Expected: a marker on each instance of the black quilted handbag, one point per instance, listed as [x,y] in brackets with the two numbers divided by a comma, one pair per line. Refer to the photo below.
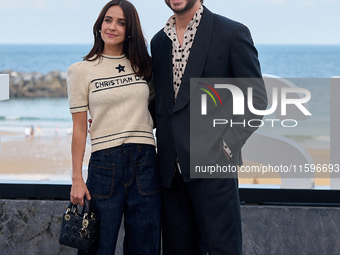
[80,230]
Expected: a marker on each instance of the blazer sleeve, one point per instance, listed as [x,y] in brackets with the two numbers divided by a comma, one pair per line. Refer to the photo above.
[152,95]
[245,65]
[152,110]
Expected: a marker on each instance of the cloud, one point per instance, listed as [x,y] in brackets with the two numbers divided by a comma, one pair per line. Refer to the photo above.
[278,2]
[295,2]
[5,4]
[71,4]
[39,4]
[22,4]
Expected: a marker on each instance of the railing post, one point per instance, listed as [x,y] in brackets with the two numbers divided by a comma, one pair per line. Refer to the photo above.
[334,132]
[4,91]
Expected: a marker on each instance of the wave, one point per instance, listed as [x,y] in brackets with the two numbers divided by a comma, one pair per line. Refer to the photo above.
[309,137]
[24,118]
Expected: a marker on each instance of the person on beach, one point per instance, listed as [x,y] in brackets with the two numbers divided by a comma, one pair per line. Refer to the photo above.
[38,131]
[123,175]
[32,132]
[199,214]
[27,132]
[56,132]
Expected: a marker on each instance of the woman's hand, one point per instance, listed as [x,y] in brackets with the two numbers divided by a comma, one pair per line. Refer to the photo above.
[78,192]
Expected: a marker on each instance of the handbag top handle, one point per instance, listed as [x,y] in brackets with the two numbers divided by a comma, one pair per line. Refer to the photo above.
[88,208]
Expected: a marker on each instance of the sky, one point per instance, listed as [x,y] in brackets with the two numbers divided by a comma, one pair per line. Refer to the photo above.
[71,21]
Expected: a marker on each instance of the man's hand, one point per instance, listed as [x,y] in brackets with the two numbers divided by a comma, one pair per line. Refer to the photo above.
[226,150]
[90,122]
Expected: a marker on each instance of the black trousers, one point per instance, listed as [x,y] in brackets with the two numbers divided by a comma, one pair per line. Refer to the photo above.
[201,216]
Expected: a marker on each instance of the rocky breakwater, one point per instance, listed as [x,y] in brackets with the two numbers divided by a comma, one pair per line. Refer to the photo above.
[34,85]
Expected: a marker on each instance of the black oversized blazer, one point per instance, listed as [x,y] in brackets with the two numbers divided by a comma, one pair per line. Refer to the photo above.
[221,48]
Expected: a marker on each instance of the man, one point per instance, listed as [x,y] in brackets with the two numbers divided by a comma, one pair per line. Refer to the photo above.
[198,213]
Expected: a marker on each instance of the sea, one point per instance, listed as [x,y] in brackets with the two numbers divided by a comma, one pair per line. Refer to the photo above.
[310,62]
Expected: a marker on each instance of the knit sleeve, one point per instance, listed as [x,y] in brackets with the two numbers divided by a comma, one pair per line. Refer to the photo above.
[78,88]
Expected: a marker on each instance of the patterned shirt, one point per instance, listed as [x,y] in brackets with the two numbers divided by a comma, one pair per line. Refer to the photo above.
[180,54]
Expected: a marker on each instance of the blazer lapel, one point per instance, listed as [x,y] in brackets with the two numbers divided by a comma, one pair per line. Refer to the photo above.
[197,57]
[166,89]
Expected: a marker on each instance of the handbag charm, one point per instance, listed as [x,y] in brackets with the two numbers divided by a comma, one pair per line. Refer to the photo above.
[80,230]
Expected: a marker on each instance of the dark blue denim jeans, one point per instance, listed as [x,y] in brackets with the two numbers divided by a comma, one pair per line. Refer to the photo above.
[125,180]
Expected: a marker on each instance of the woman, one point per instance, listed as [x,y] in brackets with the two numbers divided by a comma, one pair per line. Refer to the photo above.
[123,176]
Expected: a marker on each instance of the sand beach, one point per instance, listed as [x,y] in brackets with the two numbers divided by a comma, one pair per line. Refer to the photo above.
[39,158]
[49,158]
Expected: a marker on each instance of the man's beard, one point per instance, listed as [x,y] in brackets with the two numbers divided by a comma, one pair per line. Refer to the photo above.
[187,7]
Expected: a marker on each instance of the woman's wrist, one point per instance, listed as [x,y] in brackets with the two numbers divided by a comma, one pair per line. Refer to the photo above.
[77,178]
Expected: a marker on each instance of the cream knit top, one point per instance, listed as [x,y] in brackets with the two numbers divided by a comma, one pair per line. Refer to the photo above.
[116,98]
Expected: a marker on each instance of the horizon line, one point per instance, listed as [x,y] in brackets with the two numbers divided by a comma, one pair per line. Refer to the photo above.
[278,44]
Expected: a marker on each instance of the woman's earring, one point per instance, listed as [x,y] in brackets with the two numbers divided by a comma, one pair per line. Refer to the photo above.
[97,33]
[129,37]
